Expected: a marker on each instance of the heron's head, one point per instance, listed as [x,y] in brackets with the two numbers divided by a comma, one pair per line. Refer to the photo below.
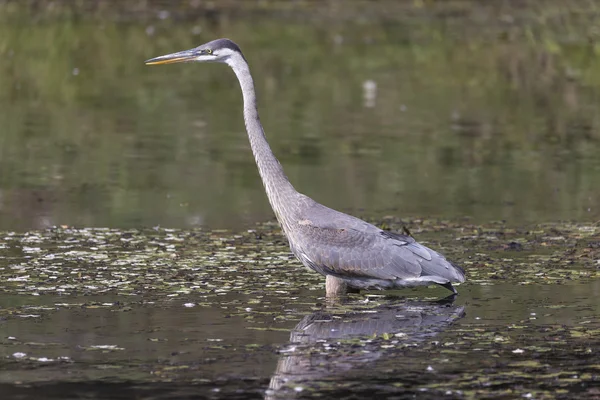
[220,50]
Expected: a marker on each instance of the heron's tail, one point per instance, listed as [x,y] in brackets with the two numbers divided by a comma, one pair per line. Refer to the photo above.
[460,273]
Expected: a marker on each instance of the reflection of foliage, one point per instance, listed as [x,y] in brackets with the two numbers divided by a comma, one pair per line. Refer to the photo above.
[499,107]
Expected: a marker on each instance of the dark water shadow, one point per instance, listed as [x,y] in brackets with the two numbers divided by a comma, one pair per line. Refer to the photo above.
[102,390]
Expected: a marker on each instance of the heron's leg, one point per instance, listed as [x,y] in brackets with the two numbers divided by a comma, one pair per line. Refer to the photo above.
[337,287]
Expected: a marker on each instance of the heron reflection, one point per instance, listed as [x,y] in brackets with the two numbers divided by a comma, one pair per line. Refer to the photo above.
[312,353]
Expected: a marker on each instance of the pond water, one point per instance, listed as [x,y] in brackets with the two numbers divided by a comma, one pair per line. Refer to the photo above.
[108,313]
[402,111]
[138,257]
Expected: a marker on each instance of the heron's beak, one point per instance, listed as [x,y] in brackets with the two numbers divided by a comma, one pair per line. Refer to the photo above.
[180,56]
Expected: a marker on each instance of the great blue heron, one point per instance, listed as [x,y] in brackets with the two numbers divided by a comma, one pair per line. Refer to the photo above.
[351,253]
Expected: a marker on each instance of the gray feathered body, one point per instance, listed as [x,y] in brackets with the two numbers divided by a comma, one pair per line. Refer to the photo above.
[364,256]
[330,242]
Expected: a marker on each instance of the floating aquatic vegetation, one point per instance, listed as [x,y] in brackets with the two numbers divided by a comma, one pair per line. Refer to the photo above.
[175,262]
[86,261]
[258,292]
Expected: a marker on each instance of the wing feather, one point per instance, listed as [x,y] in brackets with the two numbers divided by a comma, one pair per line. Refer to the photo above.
[339,244]
[334,243]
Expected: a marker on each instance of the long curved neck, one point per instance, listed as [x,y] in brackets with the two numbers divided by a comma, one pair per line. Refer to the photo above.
[277,185]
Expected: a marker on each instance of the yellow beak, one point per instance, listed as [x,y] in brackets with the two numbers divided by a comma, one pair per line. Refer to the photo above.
[181,56]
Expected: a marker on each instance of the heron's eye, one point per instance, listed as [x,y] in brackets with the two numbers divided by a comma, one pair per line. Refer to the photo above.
[208,51]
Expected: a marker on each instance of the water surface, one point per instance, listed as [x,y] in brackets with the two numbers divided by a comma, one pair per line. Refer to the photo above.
[447,111]
[183,314]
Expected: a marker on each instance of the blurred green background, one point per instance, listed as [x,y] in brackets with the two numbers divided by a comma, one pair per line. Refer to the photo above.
[483,109]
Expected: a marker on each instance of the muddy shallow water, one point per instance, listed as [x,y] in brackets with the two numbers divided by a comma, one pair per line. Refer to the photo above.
[199,314]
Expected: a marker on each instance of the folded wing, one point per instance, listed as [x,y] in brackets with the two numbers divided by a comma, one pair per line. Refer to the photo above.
[338,244]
